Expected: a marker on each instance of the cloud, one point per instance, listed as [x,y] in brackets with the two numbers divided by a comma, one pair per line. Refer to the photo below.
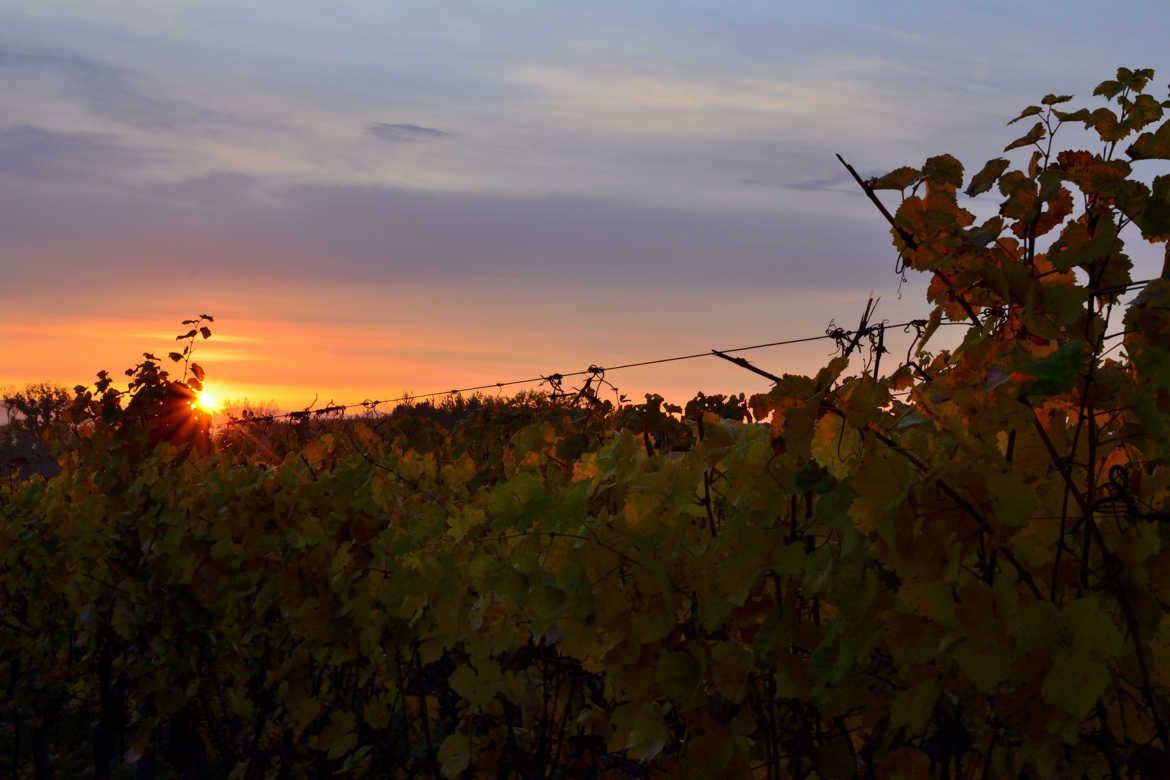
[34,152]
[405,133]
[212,187]
[126,96]
[836,183]
[252,230]
[388,234]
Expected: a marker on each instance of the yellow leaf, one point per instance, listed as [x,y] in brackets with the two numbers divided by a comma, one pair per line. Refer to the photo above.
[640,730]
[1013,499]
[1095,627]
[478,687]
[455,755]
[835,445]
[461,522]
[1074,683]
[305,712]
[339,736]
[376,713]
[914,707]
[986,663]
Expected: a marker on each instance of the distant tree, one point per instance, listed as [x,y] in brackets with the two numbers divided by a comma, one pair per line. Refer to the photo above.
[30,413]
[33,410]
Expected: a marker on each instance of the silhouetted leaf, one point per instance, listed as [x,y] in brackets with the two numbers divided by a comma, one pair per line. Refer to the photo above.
[983,235]
[1142,111]
[197,370]
[189,334]
[1152,146]
[1027,112]
[982,181]
[1080,115]
[1108,89]
[175,356]
[205,331]
[945,168]
[1051,100]
[1035,134]
[897,179]
[1034,163]
[1108,126]
[1135,80]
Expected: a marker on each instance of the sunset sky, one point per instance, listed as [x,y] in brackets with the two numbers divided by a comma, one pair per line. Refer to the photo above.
[383,197]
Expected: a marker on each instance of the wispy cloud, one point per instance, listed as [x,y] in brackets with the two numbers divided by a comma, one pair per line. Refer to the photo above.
[405,133]
[211,187]
[125,96]
[837,99]
[35,152]
[836,183]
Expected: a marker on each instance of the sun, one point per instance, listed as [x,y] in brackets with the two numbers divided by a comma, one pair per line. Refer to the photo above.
[207,401]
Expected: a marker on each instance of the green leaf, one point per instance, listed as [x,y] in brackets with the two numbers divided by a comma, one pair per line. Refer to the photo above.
[1035,134]
[831,660]
[982,181]
[912,419]
[1027,112]
[832,508]
[1050,99]
[1057,373]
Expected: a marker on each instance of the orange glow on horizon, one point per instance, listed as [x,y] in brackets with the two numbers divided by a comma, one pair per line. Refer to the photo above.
[281,361]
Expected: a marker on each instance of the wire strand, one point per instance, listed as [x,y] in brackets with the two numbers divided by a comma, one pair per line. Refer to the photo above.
[594,370]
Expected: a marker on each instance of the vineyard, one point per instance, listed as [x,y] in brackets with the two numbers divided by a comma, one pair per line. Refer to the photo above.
[953,564]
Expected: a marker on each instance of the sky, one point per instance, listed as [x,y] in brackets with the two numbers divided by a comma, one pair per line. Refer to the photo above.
[378,198]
